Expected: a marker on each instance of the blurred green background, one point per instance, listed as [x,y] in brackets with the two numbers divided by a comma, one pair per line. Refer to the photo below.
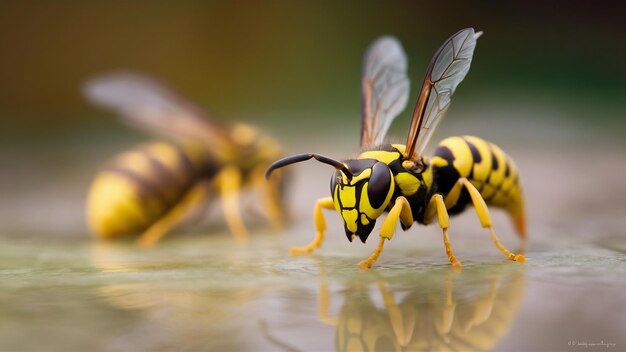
[544,76]
[251,58]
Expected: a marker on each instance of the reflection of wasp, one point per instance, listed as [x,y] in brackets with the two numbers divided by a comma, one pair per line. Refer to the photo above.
[397,178]
[469,314]
[153,187]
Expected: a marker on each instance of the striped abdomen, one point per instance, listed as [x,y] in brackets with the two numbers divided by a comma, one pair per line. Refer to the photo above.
[139,186]
[487,167]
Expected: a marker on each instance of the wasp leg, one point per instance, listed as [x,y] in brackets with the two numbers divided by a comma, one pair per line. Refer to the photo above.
[401,210]
[483,307]
[324,306]
[320,225]
[402,321]
[444,322]
[229,184]
[483,214]
[155,232]
[272,201]
[437,205]
[324,299]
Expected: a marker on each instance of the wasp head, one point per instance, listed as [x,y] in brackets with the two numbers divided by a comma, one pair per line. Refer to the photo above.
[361,190]
[361,197]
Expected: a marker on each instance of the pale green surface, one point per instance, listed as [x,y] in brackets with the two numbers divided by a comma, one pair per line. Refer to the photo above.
[205,293]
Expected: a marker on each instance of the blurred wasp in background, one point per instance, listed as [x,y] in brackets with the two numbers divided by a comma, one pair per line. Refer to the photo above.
[150,189]
[399,179]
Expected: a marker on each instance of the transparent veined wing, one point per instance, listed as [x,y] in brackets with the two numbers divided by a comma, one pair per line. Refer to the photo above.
[385,89]
[447,69]
[147,104]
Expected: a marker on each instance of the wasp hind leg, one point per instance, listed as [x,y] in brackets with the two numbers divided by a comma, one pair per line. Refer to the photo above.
[175,216]
[401,211]
[483,214]
[437,205]
[320,225]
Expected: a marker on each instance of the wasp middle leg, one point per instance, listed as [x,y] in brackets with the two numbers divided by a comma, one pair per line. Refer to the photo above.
[438,206]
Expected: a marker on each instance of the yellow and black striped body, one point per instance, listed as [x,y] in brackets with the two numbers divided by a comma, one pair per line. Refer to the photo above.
[485,165]
[141,185]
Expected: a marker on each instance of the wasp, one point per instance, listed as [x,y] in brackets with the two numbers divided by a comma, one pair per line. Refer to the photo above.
[153,187]
[398,179]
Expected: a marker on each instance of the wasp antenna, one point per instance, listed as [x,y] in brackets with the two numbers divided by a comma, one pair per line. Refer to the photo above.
[304,157]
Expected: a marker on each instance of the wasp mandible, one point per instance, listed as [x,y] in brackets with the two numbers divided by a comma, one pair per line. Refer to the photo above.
[399,179]
[150,189]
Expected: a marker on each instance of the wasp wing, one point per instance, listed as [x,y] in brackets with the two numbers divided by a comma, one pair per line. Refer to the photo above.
[447,69]
[385,89]
[147,104]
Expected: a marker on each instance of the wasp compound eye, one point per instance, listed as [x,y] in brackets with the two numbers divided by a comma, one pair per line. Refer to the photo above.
[379,185]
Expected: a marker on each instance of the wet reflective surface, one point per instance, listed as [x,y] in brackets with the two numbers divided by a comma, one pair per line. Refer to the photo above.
[203,293]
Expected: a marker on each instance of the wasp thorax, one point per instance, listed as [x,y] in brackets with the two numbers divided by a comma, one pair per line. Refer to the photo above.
[362,198]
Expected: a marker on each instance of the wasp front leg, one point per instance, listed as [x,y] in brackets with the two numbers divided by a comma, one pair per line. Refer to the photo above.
[483,214]
[401,211]
[229,185]
[320,225]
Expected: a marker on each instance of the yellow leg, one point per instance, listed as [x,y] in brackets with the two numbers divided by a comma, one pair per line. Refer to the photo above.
[402,320]
[438,206]
[401,211]
[324,298]
[443,322]
[484,305]
[367,263]
[485,220]
[229,185]
[324,306]
[270,194]
[320,225]
[155,232]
